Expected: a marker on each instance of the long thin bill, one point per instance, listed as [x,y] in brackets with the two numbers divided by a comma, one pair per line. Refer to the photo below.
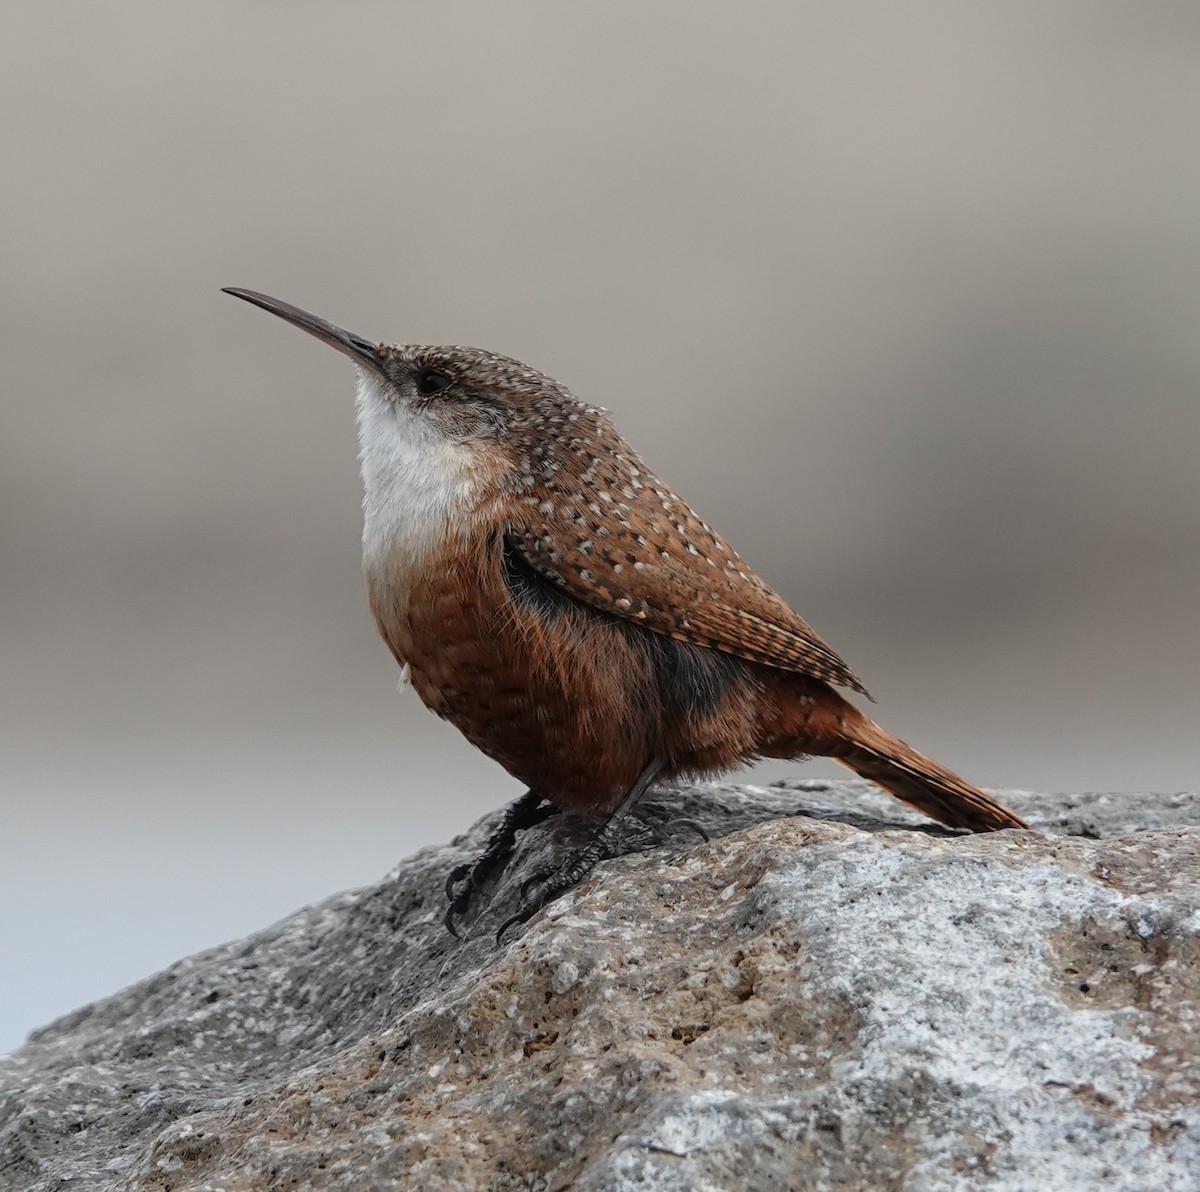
[360,350]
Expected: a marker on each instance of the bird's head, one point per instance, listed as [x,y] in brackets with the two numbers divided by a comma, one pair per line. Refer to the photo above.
[450,433]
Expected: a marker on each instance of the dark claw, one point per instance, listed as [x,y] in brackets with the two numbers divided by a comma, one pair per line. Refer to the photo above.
[522,916]
[460,901]
[536,879]
[694,825]
[455,876]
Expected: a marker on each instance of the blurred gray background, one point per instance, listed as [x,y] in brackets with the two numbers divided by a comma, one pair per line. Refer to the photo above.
[903,298]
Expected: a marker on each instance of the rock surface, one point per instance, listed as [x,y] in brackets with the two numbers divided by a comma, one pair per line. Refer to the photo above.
[829,993]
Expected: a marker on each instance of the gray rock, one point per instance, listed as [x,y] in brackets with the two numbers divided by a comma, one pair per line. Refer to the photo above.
[829,993]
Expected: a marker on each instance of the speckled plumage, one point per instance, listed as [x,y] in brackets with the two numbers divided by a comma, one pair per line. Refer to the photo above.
[567,611]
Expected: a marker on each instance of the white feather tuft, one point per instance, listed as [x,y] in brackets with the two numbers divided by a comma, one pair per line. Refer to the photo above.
[416,479]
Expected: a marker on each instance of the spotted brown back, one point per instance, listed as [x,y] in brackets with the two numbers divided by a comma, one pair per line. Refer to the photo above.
[600,525]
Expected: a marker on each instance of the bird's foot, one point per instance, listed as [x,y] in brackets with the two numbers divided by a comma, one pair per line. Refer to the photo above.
[546,885]
[463,882]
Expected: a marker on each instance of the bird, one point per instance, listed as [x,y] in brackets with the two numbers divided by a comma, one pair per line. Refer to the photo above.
[548,595]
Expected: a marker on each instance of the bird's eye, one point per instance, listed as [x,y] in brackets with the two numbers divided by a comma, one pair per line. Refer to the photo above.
[431,381]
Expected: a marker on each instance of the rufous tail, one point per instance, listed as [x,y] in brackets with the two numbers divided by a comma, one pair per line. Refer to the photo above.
[822,722]
[918,780]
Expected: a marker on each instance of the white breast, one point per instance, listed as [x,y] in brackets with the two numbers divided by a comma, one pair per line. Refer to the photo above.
[417,481]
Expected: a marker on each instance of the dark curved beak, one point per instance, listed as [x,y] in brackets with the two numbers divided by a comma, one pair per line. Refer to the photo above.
[360,350]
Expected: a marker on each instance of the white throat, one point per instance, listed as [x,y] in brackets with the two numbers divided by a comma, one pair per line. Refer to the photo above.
[416,480]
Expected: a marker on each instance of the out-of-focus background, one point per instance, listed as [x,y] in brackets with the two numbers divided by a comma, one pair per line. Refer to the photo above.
[903,298]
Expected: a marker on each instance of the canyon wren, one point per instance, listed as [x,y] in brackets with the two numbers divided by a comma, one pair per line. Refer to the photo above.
[565,610]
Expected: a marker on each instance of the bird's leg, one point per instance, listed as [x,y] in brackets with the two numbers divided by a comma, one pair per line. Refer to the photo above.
[522,813]
[550,884]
